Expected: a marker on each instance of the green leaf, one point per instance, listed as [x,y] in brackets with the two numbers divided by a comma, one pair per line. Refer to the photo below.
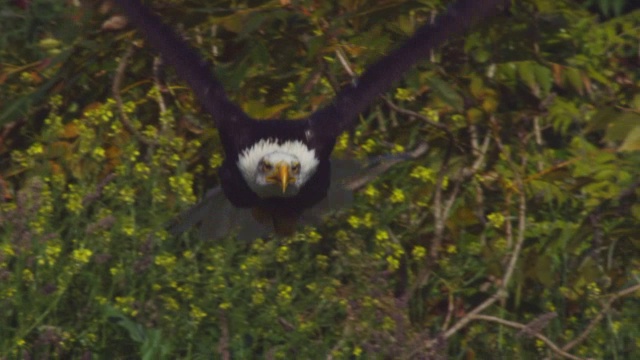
[445,92]
[602,119]
[526,72]
[507,73]
[544,270]
[155,346]
[258,109]
[635,102]
[635,211]
[135,330]
[476,86]
[598,76]
[632,141]
[621,126]
[574,77]
[544,78]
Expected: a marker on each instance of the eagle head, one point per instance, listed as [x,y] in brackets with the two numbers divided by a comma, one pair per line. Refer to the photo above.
[278,168]
[273,169]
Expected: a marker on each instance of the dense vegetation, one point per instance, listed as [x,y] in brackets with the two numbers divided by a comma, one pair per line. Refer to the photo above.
[516,235]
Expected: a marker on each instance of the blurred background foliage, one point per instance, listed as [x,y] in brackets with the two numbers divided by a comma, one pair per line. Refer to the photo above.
[522,243]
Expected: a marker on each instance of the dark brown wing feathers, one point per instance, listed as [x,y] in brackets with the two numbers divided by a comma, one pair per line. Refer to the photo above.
[330,121]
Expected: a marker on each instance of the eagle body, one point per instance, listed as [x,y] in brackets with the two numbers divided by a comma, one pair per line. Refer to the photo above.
[281,167]
[292,135]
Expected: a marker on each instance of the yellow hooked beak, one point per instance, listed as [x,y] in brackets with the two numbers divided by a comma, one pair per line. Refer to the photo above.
[281,175]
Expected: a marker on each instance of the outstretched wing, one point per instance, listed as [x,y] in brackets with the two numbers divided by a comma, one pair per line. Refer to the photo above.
[186,62]
[341,114]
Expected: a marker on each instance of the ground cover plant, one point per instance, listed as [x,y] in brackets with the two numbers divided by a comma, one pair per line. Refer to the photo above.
[514,235]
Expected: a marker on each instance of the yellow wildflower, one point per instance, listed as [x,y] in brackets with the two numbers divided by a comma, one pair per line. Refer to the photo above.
[197,313]
[35,149]
[98,154]
[342,143]
[393,264]
[116,270]
[167,261]
[382,235]
[354,221]
[322,261]
[141,170]
[397,196]
[496,219]
[371,192]
[397,149]
[357,351]
[100,299]
[452,249]
[225,306]
[388,323]
[129,226]
[404,94]
[423,174]
[7,249]
[284,293]
[171,303]
[282,254]
[367,221]
[74,199]
[27,276]
[81,255]
[127,195]
[368,146]
[216,160]
[418,252]
[257,298]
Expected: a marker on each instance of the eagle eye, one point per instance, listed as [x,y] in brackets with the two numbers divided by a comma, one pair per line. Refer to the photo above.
[295,168]
[265,166]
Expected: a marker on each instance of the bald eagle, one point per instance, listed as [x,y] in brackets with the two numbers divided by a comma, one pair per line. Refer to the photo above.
[279,168]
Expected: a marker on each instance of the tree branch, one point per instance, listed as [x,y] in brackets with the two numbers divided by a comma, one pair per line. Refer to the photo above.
[539,336]
[605,308]
[501,293]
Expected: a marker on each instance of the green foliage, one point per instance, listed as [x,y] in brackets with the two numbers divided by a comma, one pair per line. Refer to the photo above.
[87,268]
